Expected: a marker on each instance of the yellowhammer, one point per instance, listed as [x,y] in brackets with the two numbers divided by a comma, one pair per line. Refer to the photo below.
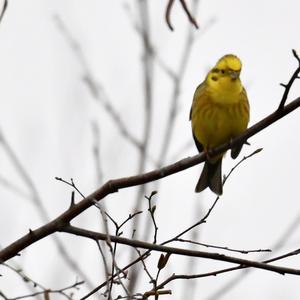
[219,112]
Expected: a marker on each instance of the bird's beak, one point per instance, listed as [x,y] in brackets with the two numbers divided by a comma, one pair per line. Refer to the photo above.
[234,74]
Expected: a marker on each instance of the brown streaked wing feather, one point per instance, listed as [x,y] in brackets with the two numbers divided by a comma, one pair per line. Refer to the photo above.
[197,93]
[199,90]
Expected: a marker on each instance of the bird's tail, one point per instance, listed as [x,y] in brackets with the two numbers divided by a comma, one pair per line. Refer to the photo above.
[211,177]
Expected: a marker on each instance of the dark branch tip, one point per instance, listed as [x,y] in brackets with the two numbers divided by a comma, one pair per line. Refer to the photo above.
[296,55]
[257,151]
[72,199]
[153,193]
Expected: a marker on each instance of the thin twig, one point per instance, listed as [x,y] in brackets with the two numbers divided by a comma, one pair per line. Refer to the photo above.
[174,105]
[203,220]
[3,296]
[50,291]
[147,77]
[184,252]
[110,247]
[215,273]
[223,248]
[189,15]
[118,233]
[276,246]
[71,184]
[189,289]
[130,216]
[168,14]
[142,259]
[105,264]
[30,283]
[24,175]
[3,10]
[97,91]
[96,152]
[147,67]
[186,10]
[287,87]
[37,201]
[124,269]
[121,183]
[157,59]
[174,99]
[151,210]
[240,162]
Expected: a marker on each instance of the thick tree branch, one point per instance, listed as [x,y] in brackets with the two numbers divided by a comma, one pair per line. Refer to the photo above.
[114,185]
[180,251]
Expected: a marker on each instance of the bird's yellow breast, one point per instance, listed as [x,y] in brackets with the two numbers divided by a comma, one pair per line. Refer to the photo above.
[218,117]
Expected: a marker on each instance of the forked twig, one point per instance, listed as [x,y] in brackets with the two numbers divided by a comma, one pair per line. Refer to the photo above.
[43,289]
[186,10]
[203,220]
[288,86]
[151,210]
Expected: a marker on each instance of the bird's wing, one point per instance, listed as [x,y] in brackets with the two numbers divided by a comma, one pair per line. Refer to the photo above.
[197,95]
[199,90]
[236,151]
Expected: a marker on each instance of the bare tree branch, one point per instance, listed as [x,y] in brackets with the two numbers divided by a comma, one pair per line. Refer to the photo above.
[114,185]
[147,71]
[168,13]
[184,252]
[37,201]
[288,86]
[189,15]
[243,251]
[186,10]
[151,210]
[143,256]
[277,246]
[43,289]
[96,152]
[97,91]
[215,273]
[3,10]
[174,100]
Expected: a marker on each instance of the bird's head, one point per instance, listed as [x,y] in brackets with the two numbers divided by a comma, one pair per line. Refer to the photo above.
[226,70]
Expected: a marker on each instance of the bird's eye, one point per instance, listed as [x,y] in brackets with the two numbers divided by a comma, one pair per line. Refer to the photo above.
[223,71]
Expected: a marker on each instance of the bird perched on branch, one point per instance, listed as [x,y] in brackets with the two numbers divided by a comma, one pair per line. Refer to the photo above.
[219,112]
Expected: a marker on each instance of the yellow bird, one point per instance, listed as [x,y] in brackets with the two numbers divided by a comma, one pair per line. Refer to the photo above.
[219,112]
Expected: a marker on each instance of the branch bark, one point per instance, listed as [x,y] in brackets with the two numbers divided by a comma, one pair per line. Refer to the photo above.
[114,185]
[180,251]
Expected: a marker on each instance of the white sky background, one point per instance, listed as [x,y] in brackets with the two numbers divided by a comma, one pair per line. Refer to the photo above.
[46,113]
